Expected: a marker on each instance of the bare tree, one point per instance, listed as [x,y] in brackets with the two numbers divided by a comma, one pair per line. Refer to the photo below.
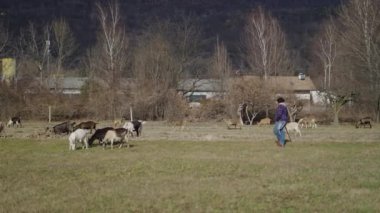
[337,102]
[294,110]
[156,69]
[361,29]
[221,67]
[110,52]
[33,48]
[265,45]
[4,37]
[64,43]
[327,50]
[185,38]
[250,97]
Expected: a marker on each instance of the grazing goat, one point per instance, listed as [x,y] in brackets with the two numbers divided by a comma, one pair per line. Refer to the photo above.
[116,135]
[232,124]
[307,122]
[117,123]
[264,121]
[79,135]
[91,125]
[134,126]
[14,121]
[364,122]
[98,135]
[65,127]
[293,127]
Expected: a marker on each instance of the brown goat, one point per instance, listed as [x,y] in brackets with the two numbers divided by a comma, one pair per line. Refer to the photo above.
[91,125]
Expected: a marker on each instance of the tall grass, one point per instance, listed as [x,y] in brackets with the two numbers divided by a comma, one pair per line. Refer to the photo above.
[190,176]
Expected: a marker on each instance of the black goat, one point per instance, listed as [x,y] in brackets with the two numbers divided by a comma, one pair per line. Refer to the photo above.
[98,135]
[364,122]
[14,121]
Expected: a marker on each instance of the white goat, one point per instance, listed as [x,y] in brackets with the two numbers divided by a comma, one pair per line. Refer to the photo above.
[293,127]
[116,135]
[134,126]
[79,135]
[129,126]
[307,122]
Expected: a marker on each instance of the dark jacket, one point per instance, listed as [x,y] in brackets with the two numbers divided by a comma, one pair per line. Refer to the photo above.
[281,113]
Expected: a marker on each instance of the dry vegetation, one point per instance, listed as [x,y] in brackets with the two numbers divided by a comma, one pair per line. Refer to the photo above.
[202,167]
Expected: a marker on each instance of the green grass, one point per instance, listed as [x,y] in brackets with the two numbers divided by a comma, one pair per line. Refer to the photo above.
[190,176]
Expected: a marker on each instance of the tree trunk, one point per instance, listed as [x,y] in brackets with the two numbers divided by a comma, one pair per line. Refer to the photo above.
[378,109]
[336,118]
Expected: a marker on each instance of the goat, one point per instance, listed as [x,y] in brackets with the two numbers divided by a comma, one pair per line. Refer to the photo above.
[307,122]
[117,123]
[86,125]
[79,135]
[232,124]
[116,135]
[98,135]
[65,127]
[134,126]
[293,127]
[1,126]
[264,121]
[364,122]
[14,121]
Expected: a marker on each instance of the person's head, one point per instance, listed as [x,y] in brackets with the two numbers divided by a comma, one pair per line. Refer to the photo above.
[280,100]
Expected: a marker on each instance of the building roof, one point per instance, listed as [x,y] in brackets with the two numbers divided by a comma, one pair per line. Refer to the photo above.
[199,85]
[287,83]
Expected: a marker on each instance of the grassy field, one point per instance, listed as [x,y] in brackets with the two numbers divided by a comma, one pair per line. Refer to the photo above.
[203,168]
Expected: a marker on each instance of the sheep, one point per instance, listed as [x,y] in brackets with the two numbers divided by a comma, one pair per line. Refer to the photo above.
[293,127]
[264,121]
[14,121]
[116,135]
[79,135]
[364,122]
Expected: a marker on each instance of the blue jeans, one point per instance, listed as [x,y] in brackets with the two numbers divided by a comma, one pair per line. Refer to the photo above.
[279,131]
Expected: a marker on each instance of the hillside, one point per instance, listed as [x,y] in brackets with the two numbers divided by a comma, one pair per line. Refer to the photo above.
[299,18]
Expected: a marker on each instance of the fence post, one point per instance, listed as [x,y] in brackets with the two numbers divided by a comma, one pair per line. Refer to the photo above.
[49,114]
[131,113]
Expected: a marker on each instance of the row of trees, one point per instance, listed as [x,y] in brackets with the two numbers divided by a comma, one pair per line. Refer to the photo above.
[345,61]
[349,51]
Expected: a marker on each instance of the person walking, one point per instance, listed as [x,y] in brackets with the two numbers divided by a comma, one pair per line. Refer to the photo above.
[280,118]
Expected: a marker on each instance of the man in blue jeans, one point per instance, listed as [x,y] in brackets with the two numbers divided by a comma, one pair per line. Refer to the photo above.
[280,118]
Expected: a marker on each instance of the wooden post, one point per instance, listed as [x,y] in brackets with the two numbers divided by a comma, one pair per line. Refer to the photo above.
[131,113]
[49,114]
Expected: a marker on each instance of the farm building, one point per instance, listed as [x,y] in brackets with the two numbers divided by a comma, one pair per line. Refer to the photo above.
[196,90]
[302,87]
[67,85]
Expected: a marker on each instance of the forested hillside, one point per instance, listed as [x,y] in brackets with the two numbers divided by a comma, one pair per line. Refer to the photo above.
[223,18]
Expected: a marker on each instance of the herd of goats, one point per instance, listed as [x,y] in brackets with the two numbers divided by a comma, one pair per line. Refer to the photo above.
[80,133]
